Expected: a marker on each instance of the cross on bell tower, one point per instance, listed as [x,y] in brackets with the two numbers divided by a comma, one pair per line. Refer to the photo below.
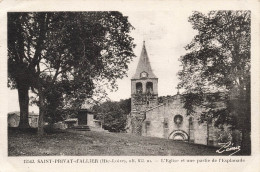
[178,88]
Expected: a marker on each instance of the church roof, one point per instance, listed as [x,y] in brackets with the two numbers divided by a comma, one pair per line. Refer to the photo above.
[144,65]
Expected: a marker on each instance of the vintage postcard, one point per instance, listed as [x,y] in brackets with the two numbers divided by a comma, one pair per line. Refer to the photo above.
[129,85]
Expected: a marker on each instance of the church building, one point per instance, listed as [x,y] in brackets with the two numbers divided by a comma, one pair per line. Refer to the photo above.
[166,118]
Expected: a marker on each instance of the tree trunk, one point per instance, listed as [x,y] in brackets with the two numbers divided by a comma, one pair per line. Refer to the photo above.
[189,132]
[207,131]
[246,130]
[23,94]
[41,113]
[244,117]
[246,142]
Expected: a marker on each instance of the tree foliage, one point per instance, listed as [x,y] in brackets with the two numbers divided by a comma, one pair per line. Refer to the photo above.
[219,55]
[218,61]
[113,114]
[71,50]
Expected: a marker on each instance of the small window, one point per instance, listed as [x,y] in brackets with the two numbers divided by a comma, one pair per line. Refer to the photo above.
[165,124]
[144,75]
[191,122]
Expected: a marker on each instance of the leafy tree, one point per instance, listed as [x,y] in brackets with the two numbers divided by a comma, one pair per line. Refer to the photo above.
[74,50]
[113,114]
[54,104]
[218,60]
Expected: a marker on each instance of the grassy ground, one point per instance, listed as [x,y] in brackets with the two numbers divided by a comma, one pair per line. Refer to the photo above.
[97,143]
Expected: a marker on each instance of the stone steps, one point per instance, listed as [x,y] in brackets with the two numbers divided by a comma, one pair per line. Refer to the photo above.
[88,128]
[98,129]
[81,128]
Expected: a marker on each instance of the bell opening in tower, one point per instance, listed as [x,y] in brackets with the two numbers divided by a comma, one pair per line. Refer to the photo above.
[139,87]
[149,87]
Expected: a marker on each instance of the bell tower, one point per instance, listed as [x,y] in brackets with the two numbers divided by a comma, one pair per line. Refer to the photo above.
[144,91]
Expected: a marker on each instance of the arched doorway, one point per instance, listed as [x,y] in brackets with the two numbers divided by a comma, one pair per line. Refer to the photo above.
[179,135]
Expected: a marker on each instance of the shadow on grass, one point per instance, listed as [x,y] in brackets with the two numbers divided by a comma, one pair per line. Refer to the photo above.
[48,129]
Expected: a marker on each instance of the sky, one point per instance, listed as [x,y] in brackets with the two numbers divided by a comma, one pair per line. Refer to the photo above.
[165,33]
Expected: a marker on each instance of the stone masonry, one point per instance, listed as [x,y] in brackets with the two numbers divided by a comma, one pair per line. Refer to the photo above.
[168,118]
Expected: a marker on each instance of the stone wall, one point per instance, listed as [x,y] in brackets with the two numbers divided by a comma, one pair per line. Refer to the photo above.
[136,122]
[163,124]
[14,119]
[169,120]
[161,119]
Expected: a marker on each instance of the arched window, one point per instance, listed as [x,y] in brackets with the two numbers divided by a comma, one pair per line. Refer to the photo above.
[139,87]
[178,119]
[149,87]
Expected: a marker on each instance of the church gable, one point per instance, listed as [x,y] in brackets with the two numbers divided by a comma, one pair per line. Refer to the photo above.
[166,118]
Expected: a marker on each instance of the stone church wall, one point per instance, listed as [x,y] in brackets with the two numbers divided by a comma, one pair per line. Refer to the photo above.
[160,122]
[161,119]
[200,133]
[153,124]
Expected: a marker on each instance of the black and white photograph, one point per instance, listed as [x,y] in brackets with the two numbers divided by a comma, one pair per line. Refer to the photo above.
[66,63]
[164,83]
